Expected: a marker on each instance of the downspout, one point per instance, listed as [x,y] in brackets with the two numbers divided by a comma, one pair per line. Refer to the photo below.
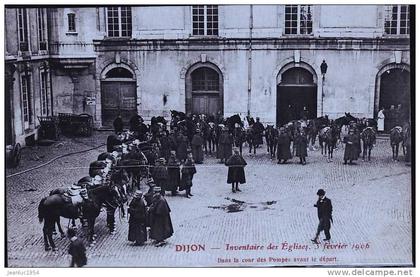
[251,23]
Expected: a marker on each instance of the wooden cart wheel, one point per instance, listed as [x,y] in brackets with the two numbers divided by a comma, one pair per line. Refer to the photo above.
[16,154]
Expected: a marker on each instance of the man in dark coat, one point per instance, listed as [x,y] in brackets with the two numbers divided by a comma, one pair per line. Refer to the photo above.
[197,147]
[238,137]
[351,150]
[324,215]
[160,219]
[174,175]
[137,232]
[165,145]
[160,174]
[236,172]
[258,129]
[301,143]
[187,173]
[77,250]
[118,124]
[283,146]
[181,147]
[225,145]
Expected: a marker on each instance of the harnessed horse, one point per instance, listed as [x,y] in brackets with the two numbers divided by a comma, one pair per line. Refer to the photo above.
[369,139]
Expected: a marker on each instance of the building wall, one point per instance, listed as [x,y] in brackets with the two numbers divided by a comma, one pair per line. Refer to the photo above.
[162,49]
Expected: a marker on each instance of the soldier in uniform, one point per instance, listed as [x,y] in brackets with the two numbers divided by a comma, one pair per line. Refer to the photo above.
[160,219]
[137,232]
[236,172]
[351,150]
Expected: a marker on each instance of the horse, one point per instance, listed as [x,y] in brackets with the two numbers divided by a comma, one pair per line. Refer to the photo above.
[369,139]
[52,207]
[328,137]
[251,139]
[239,137]
[271,136]
[396,137]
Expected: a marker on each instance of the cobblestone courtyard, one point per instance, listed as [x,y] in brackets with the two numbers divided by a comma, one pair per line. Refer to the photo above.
[371,201]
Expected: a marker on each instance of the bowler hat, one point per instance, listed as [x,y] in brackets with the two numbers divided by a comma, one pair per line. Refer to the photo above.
[320,192]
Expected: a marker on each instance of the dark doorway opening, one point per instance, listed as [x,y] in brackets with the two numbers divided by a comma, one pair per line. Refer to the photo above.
[394,91]
[295,92]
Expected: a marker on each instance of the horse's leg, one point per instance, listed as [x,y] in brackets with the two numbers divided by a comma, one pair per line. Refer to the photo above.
[240,148]
[49,227]
[370,149]
[397,147]
[59,228]
[110,219]
[46,244]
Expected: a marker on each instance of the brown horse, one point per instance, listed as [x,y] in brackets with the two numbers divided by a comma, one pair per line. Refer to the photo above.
[369,139]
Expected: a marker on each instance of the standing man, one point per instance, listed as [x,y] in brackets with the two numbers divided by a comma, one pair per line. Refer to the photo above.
[118,124]
[77,250]
[187,172]
[301,143]
[258,132]
[182,145]
[236,173]
[160,173]
[197,147]
[324,215]
[174,175]
[160,219]
[283,146]
[137,232]
[381,120]
[351,150]
[224,150]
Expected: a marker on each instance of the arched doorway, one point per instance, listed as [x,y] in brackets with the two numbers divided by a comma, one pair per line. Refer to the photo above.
[118,95]
[394,90]
[204,89]
[296,89]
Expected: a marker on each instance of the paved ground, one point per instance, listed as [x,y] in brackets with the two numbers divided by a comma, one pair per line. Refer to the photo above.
[371,200]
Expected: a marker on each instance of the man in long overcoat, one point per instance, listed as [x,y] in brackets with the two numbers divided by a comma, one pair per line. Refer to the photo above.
[258,129]
[165,145]
[236,172]
[225,145]
[160,219]
[182,145]
[283,146]
[187,173]
[118,124]
[197,147]
[351,150]
[325,209]
[160,173]
[174,175]
[137,232]
[301,143]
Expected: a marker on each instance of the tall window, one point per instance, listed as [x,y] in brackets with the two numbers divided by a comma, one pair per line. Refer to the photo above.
[397,20]
[205,79]
[71,19]
[205,19]
[298,20]
[119,21]
[42,35]
[44,92]
[23,29]
[26,99]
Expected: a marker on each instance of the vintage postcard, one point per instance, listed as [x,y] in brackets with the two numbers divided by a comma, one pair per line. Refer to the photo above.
[209,135]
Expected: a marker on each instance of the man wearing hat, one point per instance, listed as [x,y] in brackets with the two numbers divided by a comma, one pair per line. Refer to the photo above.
[160,219]
[225,145]
[174,174]
[351,151]
[283,146]
[258,130]
[197,147]
[236,172]
[137,232]
[160,173]
[325,209]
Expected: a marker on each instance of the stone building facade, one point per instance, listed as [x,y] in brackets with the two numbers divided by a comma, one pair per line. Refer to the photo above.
[262,60]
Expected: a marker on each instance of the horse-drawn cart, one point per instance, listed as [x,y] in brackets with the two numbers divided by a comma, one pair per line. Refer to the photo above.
[73,124]
[48,128]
